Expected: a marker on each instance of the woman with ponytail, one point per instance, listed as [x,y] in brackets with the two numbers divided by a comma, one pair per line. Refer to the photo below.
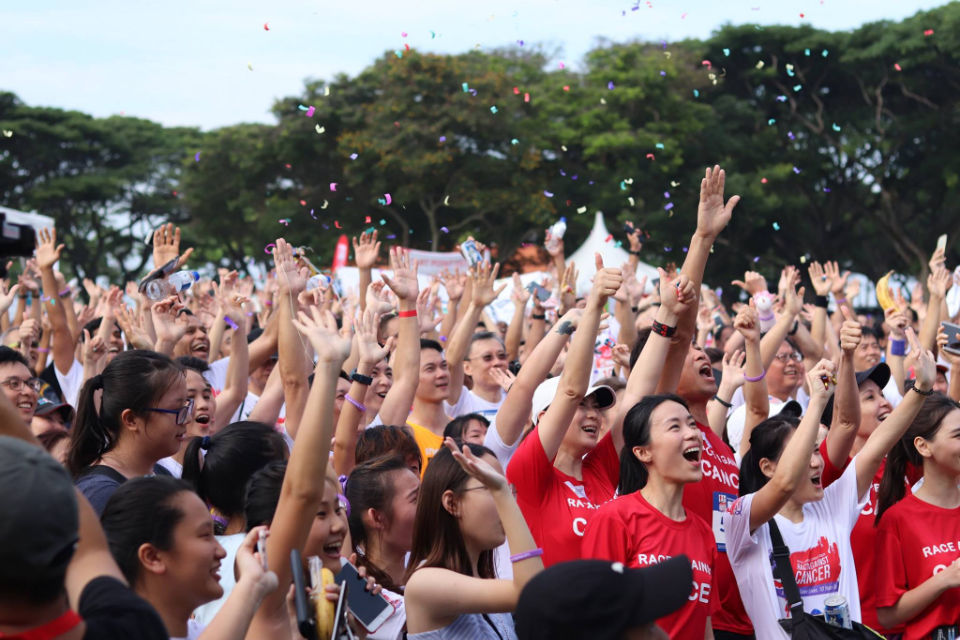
[918,562]
[143,408]
[648,523]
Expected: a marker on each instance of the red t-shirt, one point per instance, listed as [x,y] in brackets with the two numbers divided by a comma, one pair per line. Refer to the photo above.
[632,531]
[916,540]
[557,506]
[709,499]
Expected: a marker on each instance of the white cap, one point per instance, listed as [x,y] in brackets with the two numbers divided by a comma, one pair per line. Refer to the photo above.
[547,390]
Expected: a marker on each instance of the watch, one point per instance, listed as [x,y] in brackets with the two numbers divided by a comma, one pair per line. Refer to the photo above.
[362,379]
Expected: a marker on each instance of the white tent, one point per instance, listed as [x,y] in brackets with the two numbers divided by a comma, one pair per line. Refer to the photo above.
[613,256]
[35,220]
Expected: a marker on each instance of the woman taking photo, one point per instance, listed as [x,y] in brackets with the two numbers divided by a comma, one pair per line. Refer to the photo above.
[466,509]
[648,523]
[141,420]
[780,481]
[918,569]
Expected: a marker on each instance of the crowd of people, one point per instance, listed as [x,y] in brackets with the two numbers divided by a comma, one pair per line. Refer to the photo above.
[162,459]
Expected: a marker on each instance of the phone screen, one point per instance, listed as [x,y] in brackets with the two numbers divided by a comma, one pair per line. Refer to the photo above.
[953,338]
[370,610]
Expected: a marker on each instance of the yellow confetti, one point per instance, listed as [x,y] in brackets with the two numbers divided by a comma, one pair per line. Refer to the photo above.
[326,90]
[760,64]
[582,210]
[632,203]
[603,101]
[324,205]
[446,201]
[674,184]
[249,66]
[320,129]
[7,133]
[563,147]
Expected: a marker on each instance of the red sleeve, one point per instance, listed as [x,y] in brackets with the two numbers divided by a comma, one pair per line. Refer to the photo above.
[606,536]
[529,470]
[604,460]
[891,576]
[714,597]
[830,473]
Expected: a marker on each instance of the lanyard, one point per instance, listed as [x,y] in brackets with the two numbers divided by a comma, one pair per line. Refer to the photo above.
[52,629]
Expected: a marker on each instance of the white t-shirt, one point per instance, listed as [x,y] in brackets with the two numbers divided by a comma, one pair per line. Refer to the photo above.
[171,465]
[469,402]
[495,443]
[819,552]
[194,629]
[204,613]
[71,382]
[216,375]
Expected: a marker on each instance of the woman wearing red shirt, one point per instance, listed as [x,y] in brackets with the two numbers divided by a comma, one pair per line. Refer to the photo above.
[918,551]
[648,523]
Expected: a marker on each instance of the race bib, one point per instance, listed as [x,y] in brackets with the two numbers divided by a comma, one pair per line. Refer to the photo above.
[721,502]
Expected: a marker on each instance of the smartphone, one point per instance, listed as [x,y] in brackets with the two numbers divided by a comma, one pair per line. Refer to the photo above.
[953,338]
[306,623]
[539,290]
[471,253]
[370,610]
[942,242]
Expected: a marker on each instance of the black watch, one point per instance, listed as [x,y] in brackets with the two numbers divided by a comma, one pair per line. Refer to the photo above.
[362,379]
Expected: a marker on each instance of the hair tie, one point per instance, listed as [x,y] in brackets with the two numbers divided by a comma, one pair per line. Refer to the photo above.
[343,483]
[97,381]
[205,443]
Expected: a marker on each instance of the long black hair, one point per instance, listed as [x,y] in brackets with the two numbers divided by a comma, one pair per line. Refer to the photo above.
[141,511]
[636,433]
[232,456]
[133,380]
[926,425]
[766,442]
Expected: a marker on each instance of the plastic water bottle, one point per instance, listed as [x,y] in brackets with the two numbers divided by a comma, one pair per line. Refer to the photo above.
[556,230]
[164,287]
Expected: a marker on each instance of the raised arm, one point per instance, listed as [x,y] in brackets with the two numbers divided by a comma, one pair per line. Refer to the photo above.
[365,252]
[786,321]
[576,373]
[890,431]
[520,298]
[896,341]
[291,351]
[64,345]
[795,458]
[238,368]
[938,283]
[846,402]
[406,361]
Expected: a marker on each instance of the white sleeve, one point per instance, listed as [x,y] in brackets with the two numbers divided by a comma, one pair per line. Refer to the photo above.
[463,405]
[495,443]
[739,540]
[216,375]
[70,383]
[841,499]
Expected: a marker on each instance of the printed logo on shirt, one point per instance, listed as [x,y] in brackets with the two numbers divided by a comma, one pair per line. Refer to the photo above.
[577,489]
[721,508]
[702,584]
[869,508]
[816,570]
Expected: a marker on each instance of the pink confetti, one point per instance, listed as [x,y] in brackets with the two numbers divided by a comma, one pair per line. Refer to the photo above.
[650,156]
[303,203]
[333,186]
[896,65]
[566,87]
[562,65]
[366,220]
[269,248]
[336,223]
[516,91]
[928,32]
[387,197]
[311,111]
[266,26]
[707,64]
[526,97]
[763,181]
[608,238]
[403,34]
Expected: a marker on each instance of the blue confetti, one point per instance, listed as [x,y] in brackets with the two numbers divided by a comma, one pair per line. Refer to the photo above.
[824,53]
[781,98]
[493,109]
[696,94]
[547,193]
[797,87]
[835,126]
[806,52]
[726,51]
[659,145]
[466,87]
[514,141]
[610,85]
[776,226]
[771,121]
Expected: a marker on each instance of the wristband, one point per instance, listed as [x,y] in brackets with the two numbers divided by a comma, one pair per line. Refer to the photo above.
[412,313]
[64,293]
[663,330]
[360,378]
[898,347]
[760,377]
[269,303]
[43,350]
[840,300]
[634,253]
[728,405]
[928,392]
[526,555]
[820,301]
[541,316]
[230,323]
[360,407]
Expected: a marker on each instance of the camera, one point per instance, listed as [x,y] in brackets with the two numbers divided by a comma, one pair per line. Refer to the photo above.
[16,240]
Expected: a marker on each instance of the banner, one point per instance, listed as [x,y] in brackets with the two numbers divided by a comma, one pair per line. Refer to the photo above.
[434,262]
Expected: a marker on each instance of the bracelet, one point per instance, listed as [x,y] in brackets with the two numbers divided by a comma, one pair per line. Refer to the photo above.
[662,330]
[634,253]
[43,350]
[728,405]
[412,313]
[64,293]
[928,392]
[898,347]
[526,555]
[821,301]
[360,378]
[360,407]
[230,323]
[538,316]
[760,377]
[443,338]
[840,300]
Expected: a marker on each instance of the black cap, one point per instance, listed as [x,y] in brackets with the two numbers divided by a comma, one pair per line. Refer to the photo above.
[38,528]
[879,373]
[600,600]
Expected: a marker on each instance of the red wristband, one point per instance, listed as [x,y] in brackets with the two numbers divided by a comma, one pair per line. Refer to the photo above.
[412,313]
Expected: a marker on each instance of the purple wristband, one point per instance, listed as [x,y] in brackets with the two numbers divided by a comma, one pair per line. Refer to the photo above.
[767,317]
[533,553]
[898,347]
[230,323]
[360,407]
[760,377]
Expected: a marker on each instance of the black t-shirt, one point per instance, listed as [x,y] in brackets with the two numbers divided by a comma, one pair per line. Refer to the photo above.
[113,611]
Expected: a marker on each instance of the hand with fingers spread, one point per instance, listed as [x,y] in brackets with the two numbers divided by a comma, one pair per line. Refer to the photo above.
[733,369]
[753,283]
[166,246]
[94,349]
[477,468]
[8,296]
[404,280]
[747,324]
[712,214]
[789,277]
[793,299]
[837,281]
[166,324]
[819,278]
[133,329]
[366,250]
[484,276]
[291,277]
[320,328]
[852,290]
[503,377]
[48,251]
[606,282]
[939,282]
[454,282]
[366,332]
[427,312]
[94,291]
[636,289]
[376,298]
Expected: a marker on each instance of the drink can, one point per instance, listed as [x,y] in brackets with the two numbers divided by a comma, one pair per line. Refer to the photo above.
[837,612]
[471,253]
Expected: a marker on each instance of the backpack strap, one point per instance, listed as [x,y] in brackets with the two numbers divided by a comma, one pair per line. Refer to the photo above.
[784,570]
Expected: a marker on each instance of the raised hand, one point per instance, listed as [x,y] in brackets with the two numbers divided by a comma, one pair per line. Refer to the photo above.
[366,250]
[733,368]
[926,365]
[132,329]
[676,294]
[634,237]
[454,282]
[167,326]
[606,281]
[291,277]
[822,380]
[753,283]
[484,276]
[8,296]
[94,349]
[897,321]
[48,251]
[747,323]
[939,281]
[376,298]
[404,281]
[503,377]
[250,566]
[427,316]
[320,328]
[620,354]
[942,343]
[94,291]
[838,282]
[850,331]
[938,259]
[793,298]
[366,331]
[476,467]
[166,246]
[29,331]
[712,214]
[819,278]
[519,295]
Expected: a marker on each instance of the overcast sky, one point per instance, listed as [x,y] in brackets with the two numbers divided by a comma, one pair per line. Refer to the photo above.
[185,62]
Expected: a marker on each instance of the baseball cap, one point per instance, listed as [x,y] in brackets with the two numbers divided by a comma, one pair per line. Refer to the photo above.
[879,373]
[46,406]
[547,389]
[38,530]
[600,600]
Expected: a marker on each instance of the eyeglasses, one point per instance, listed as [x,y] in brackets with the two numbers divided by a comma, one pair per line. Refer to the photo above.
[183,413]
[490,357]
[787,357]
[15,383]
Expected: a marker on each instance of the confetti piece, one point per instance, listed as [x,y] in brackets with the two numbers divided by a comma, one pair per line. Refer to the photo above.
[566,87]
[696,94]
[791,136]
[666,194]
[603,101]
[382,222]
[196,158]
[835,126]
[403,34]
[354,156]
[763,181]
[659,145]
[514,141]
[302,107]
[824,53]
[466,87]
[662,72]
[446,201]
[444,229]
[493,109]
[631,201]
[608,238]
[326,90]
[796,170]
[547,193]
[520,42]
[443,138]
[284,221]
[433,35]
[771,121]
[516,91]
[320,129]
[797,87]
[312,215]
[366,220]
[269,248]
[388,198]
[826,189]
[398,53]
[928,33]
[726,51]
[760,64]
[801,15]
[790,70]
[781,98]
[756,258]
[326,203]
[668,206]
[610,85]
[650,156]
[706,63]
[581,209]
[7,133]
[563,147]
[526,97]
[249,67]
[776,226]
[266,26]
[896,65]
[674,184]
[806,52]
[303,203]
[336,223]
[333,186]
[392,236]
[311,111]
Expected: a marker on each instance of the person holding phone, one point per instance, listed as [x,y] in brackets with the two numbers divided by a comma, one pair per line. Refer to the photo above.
[918,564]
[466,510]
